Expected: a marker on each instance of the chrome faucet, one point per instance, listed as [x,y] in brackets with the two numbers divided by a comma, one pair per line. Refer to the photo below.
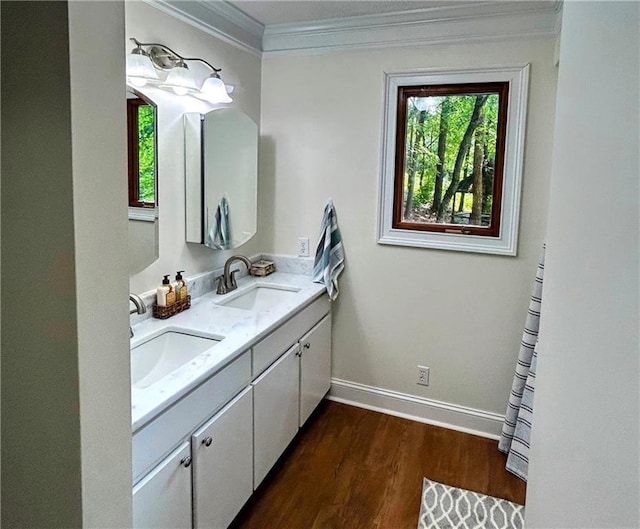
[227,281]
[141,308]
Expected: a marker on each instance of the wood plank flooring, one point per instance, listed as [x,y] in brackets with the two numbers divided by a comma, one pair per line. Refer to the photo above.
[351,468]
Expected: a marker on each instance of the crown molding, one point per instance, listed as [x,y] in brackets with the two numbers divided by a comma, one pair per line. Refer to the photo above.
[468,21]
[219,19]
[463,22]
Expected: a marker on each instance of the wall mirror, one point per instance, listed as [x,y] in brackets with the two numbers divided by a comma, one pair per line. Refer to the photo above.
[142,156]
[221,170]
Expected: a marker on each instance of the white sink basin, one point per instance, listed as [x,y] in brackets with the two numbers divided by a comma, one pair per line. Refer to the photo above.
[165,353]
[260,297]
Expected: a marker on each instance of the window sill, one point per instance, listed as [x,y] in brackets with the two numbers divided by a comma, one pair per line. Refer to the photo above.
[449,241]
[143,214]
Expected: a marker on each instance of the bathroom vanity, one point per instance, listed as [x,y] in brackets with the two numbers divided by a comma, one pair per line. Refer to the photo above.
[207,432]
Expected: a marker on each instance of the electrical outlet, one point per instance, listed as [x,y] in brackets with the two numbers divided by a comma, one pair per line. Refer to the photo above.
[423,376]
[303,247]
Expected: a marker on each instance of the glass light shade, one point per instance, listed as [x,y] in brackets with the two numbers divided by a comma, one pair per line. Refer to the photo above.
[214,91]
[140,69]
[180,80]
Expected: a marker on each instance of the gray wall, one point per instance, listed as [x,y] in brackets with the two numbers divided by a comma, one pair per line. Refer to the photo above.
[65,387]
[584,459]
[40,436]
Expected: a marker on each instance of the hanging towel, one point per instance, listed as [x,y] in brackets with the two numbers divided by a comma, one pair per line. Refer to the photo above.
[516,430]
[219,236]
[329,261]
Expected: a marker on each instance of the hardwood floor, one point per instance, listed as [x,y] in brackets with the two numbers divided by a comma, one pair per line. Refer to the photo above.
[356,469]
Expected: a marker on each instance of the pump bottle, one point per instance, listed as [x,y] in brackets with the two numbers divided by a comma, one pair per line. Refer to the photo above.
[165,294]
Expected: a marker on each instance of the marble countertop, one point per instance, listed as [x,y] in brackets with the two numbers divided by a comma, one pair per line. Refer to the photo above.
[241,329]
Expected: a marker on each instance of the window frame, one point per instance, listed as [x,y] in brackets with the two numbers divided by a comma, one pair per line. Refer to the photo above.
[453,236]
[405,92]
[133,149]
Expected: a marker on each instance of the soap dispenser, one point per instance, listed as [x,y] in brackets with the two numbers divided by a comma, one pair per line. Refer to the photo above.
[165,294]
[180,287]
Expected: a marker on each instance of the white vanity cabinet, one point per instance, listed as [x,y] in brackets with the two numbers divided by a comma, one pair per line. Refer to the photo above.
[171,486]
[197,463]
[163,497]
[286,393]
[315,367]
[222,464]
[275,404]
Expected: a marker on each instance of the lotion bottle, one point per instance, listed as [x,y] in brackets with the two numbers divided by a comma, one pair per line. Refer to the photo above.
[180,287]
[165,294]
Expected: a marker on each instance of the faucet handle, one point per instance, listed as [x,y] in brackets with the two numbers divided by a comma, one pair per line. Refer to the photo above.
[232,280]
[222,287]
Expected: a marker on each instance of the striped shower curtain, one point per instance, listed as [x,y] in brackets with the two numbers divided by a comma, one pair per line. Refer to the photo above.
[516,430]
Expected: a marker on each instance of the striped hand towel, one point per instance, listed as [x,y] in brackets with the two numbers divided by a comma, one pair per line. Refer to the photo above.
[329,261]
[220,233]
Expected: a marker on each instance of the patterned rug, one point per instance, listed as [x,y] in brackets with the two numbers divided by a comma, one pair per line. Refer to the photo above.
[445,507]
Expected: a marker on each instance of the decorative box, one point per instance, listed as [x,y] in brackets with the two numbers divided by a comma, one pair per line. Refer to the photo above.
[262,268]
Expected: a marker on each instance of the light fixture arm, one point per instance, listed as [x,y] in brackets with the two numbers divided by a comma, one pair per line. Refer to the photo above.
[159,53]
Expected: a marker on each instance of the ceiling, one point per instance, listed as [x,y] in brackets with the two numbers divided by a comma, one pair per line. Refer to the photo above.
[271,12]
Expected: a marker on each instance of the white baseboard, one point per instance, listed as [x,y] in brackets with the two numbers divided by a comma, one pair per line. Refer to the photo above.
[452,416]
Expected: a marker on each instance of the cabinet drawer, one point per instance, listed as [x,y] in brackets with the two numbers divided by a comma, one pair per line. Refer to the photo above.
[269,349]
[159,437]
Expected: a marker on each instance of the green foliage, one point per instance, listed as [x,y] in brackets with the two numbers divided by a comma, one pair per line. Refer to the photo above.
[146,153]
[424,194]
[421,145]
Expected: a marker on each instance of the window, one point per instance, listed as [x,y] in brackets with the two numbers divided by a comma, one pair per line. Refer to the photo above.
[452,159]
[141,148]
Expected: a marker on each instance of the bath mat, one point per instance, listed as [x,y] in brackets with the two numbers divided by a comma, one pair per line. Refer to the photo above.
[445,507]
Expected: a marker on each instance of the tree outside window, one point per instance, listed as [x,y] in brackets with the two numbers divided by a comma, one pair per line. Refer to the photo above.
[449,157]
[141,132]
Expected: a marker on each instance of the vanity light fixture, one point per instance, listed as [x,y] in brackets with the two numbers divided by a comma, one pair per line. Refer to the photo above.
[214,90]
[147,58]
[180,80]
[140,69]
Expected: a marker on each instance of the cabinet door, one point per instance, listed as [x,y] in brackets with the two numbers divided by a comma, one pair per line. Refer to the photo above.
[315,367]
[275,412]
[223,464]
[162,499]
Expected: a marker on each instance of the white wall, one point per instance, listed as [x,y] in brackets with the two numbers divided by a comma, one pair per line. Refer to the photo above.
[96,35]
[459,313]
[585,457]
[239,68]
[66,430]
[143,238]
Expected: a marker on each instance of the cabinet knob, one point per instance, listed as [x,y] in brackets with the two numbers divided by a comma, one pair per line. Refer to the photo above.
[298,353]
[186,461]
[307,345]
[207,441]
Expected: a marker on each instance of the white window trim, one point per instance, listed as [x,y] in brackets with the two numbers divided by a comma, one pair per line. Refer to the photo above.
[507,242]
